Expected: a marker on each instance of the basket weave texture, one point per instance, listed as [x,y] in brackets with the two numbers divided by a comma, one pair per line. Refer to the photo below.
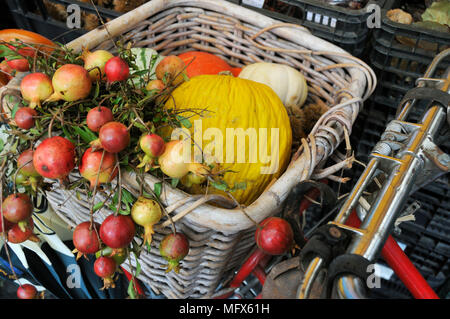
[221,238]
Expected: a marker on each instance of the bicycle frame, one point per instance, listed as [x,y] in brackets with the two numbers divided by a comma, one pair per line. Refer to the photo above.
[405,151]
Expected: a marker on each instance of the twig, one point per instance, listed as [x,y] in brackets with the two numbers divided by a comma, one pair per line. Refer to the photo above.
[91,211]
[119,182]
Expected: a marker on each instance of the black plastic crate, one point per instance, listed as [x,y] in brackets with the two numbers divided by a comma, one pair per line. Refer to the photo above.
[40,16]
[342,26]
[400,54]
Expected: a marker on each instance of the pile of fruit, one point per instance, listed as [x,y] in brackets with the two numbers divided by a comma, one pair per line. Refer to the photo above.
[98,114]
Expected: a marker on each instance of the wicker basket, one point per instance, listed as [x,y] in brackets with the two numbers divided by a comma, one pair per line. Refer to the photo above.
[221,238]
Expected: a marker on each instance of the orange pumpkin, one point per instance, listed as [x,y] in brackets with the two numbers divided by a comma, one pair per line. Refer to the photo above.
[10,35]
[199,63]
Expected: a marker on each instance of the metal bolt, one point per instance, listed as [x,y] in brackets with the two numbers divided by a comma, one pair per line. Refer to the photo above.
[336,233]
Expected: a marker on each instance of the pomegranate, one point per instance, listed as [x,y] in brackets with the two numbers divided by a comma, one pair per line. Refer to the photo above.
[16,235]
[36,87]
[25,163]
[6,70]
[17,207]
[119,255]
[85,239]
[117,231]
[21,179]
[153,146]
[27,291]
[27,174]
[97,117]
[90,167]
[7,224]
[105,268]
[20,65]
[275,237]
[94,61]
[24,117]
[192,179]
[116,69]
[156,85]
[172,68]
[71,82]
[173,248]
[113,137]
[54,158]
[173,161]
[146,212]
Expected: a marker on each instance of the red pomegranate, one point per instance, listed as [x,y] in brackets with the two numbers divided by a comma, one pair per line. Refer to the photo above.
[54,158]
[71,82]
[27,291]
[7,71]
[113,137]
[117,231]
[173,248]
[17,207]
[17,235]
[90,167]
[8,225]
[24,117]
[105,268]
[97,117]
[275,236]
[36,87]
[25,163]
[116,69]
[86,239]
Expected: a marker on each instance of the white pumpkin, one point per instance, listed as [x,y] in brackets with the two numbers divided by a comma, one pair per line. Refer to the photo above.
[288,83]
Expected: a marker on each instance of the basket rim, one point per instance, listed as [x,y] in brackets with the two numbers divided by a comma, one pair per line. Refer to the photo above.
[270,201]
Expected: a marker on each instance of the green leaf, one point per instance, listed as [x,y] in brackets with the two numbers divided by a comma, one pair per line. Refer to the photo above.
[124,212]
[86,134]
[130,290]
[97,206]
[138,267]
[68,135]
[184,121]
[97,90]
[174,182]
[2,144]
[127,197]
[157,189]
[14,109]
[220,185]
[6,52]
[139,126]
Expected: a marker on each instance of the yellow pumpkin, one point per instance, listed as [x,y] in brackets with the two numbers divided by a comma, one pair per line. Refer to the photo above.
[236,111]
